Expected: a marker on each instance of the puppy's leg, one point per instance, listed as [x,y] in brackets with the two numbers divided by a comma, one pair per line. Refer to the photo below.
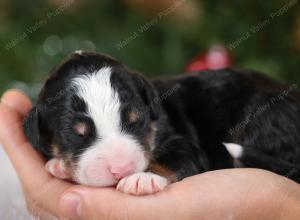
[180,158]
[142,183]
[57,168]
[173,160]
[154,180]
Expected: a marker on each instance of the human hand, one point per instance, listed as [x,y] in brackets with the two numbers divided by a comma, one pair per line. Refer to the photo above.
[225,194]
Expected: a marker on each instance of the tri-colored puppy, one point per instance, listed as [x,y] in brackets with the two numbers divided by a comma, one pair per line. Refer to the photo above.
[100,124]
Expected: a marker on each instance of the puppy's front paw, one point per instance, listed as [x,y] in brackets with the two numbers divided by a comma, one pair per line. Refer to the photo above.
[57,168]
[142,183]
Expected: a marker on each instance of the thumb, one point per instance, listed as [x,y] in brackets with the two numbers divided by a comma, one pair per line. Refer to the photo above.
[81,203]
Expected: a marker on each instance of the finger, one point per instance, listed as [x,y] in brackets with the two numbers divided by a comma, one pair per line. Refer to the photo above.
[17,100]
[14,105]
[89,203]
[14,141]
[44,190]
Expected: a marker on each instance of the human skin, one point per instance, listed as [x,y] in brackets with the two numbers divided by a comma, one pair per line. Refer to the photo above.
[224,194]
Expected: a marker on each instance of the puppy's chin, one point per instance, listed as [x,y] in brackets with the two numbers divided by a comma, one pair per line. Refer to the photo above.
[98,176]
[97,180]
[94,172]
[110,160]
[95,175]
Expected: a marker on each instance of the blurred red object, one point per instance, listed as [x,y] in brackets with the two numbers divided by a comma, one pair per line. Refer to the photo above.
[217,57]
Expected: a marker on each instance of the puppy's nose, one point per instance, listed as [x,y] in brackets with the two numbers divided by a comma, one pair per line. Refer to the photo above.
[122,171]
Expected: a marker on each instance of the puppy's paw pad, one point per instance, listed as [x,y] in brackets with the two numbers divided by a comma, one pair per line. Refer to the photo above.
[142,183]
[57,168]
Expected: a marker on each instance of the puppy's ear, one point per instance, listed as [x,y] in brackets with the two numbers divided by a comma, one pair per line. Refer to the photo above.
[149,95]
[34,132]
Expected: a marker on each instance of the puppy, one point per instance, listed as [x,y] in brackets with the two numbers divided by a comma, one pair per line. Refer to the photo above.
[99,123]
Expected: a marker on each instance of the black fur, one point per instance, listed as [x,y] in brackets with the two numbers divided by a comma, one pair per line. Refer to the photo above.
[194,115]
[235,106]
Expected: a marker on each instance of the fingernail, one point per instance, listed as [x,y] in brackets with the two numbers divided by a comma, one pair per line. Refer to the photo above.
[70,206]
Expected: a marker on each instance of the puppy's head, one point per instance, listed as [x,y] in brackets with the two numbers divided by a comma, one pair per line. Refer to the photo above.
[96,117]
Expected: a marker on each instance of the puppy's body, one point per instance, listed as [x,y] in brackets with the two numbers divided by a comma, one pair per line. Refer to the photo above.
[212,109]
[102,124]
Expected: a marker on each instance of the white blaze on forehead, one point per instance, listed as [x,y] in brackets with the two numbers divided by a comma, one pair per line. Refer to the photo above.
[102,100]
[115,149]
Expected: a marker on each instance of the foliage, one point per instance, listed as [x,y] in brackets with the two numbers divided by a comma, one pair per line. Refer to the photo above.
[54,29]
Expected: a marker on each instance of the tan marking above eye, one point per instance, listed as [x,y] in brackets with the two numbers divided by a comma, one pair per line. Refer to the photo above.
[81,128]
[133,116]
[55,150]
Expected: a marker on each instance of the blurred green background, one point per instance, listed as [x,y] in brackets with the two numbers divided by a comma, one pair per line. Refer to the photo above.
[154,37]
